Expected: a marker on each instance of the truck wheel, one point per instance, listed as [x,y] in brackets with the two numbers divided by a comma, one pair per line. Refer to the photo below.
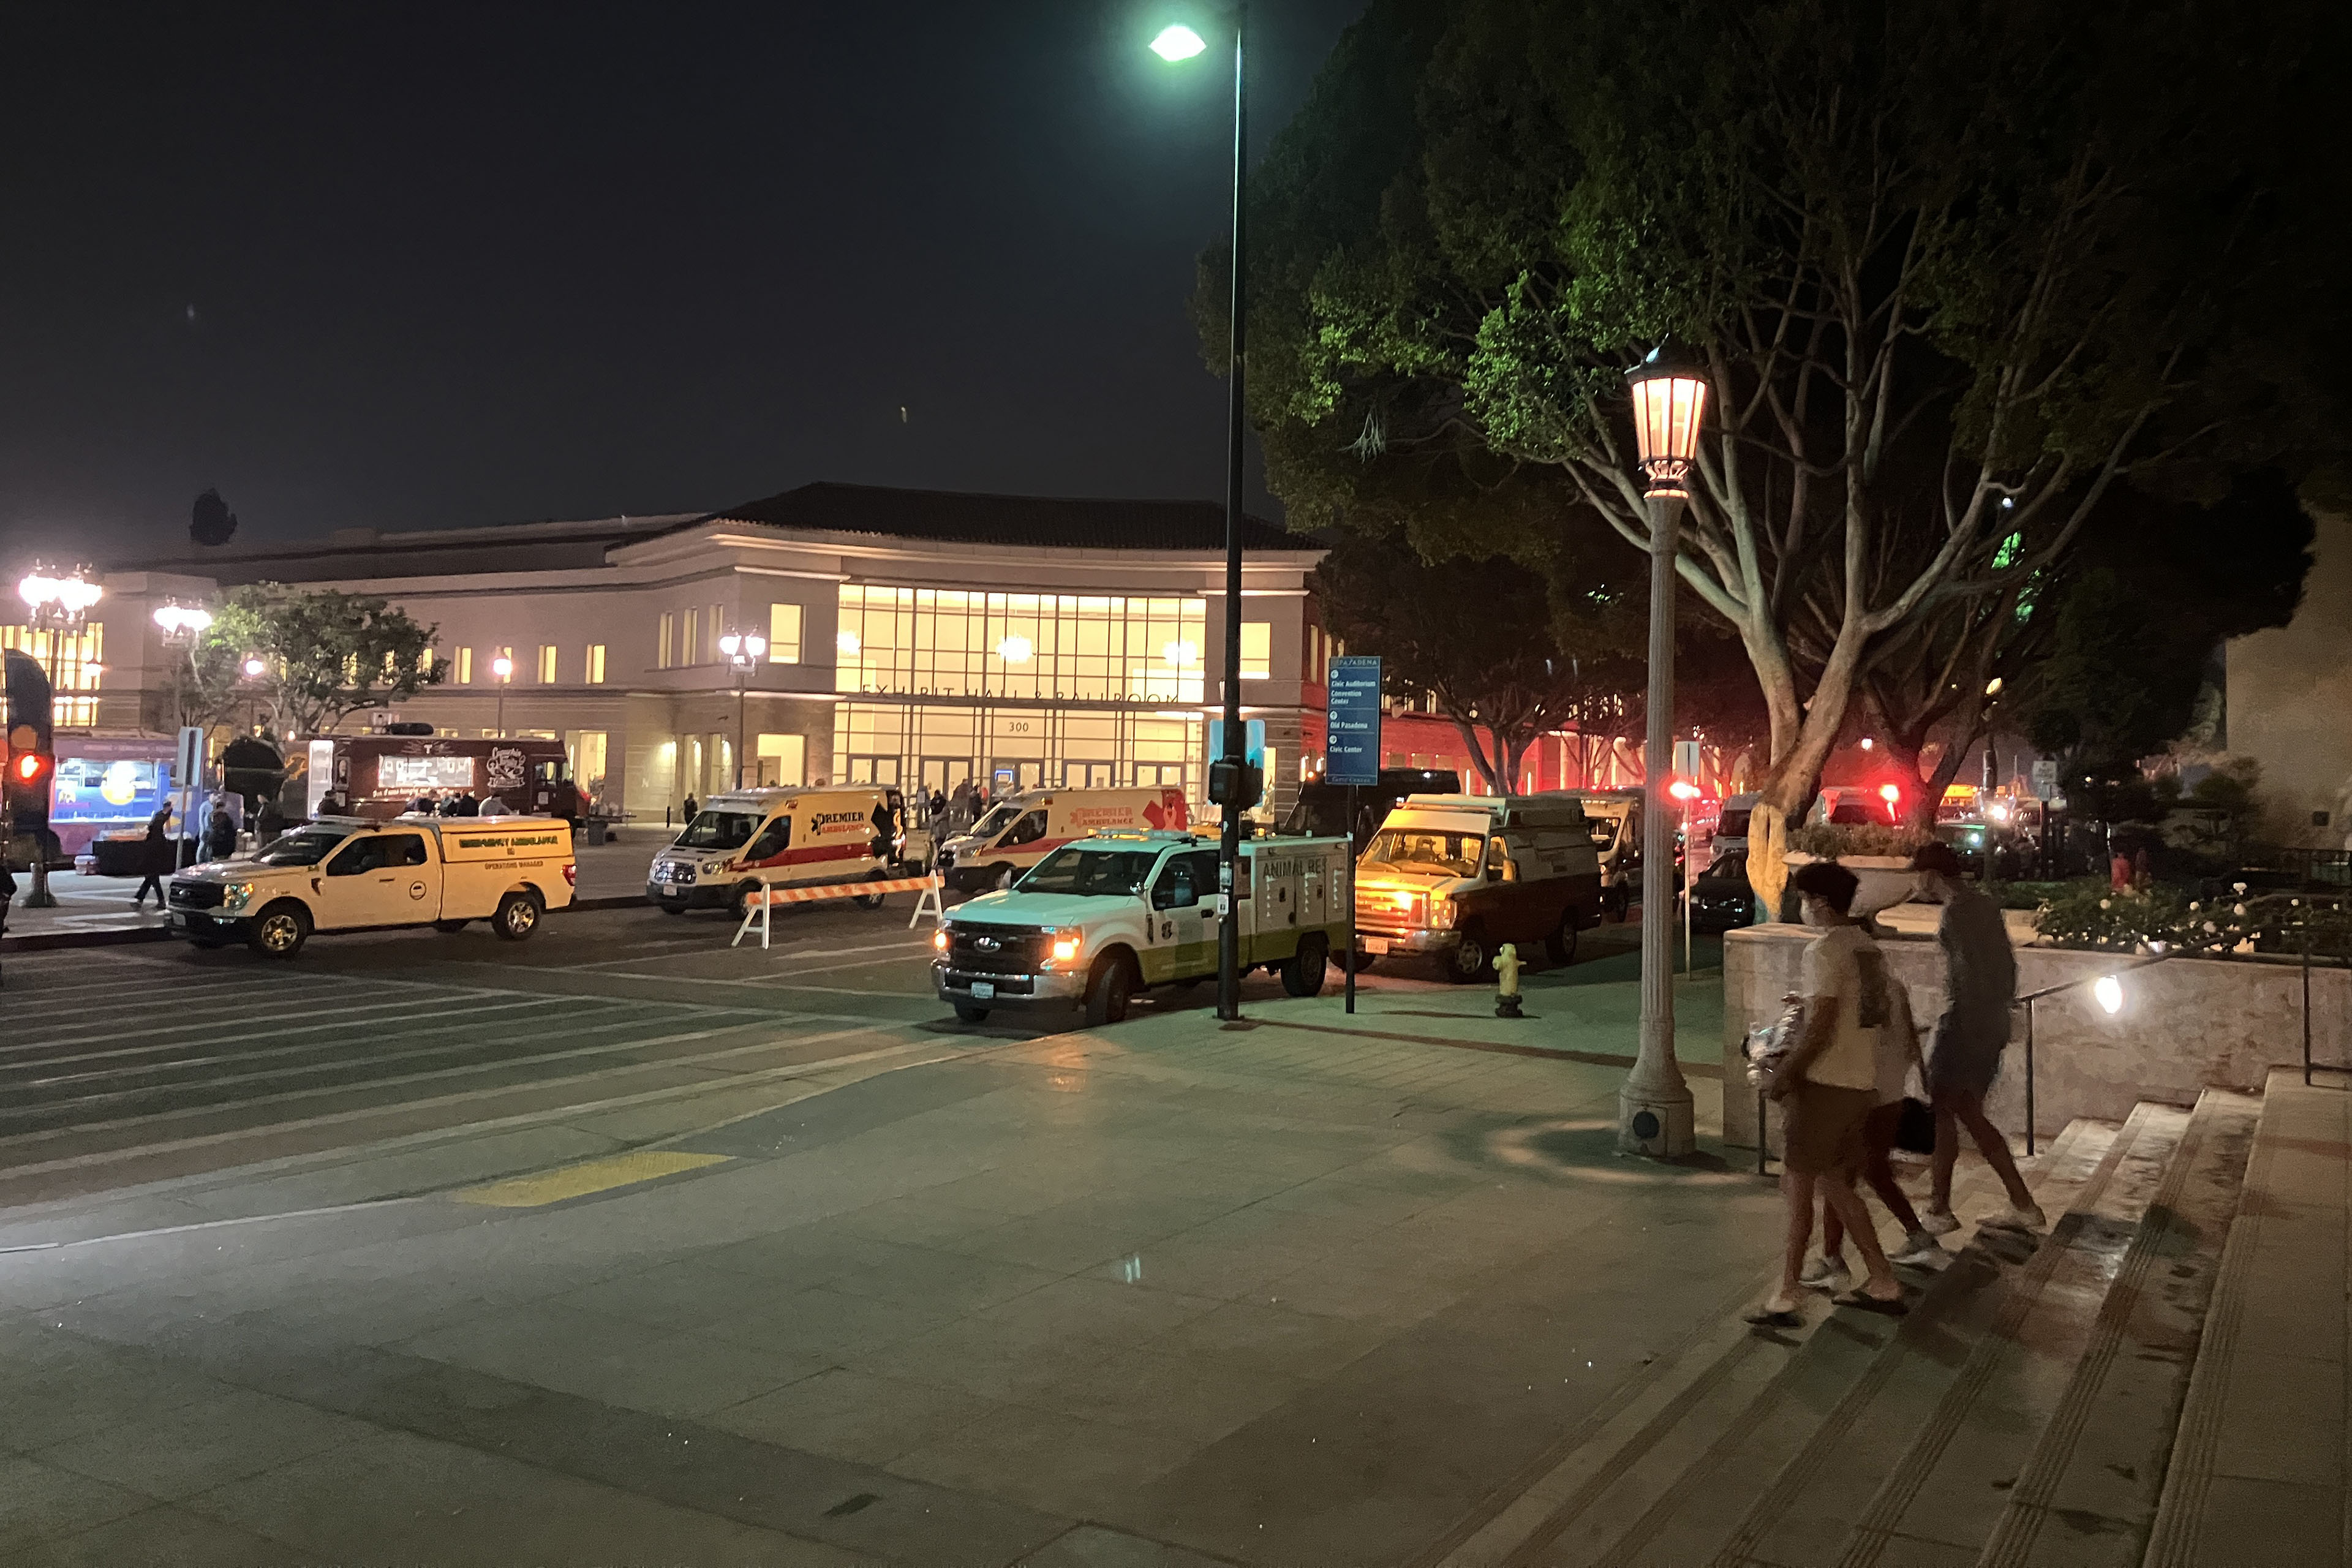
[279,930]
[1108,991]
[446,927]
[1303,975]
[1561,946]
[668,909]
[517,916]
[970,1014]
[1471,959]
[873,900]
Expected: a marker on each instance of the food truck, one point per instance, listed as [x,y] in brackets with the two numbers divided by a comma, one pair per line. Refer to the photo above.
[379,776]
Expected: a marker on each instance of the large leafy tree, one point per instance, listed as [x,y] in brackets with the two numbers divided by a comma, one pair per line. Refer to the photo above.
[1955,271]
[325,654]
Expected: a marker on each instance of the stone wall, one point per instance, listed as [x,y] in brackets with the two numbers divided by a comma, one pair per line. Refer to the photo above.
[2187,1024]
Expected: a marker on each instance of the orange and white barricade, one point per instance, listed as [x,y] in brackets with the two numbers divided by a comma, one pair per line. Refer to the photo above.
[759,907]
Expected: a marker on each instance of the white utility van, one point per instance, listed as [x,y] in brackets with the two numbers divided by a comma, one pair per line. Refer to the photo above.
[744,838]
[342,874]
[1103,917]
[1021,830]
[1455,877]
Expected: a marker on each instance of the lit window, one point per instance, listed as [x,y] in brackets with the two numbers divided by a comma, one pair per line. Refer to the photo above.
[688,644]
[711,630]
[661,650]
[596,664]
[465,667]
[425,661]
[1257,650]
[547,664]
[783,633]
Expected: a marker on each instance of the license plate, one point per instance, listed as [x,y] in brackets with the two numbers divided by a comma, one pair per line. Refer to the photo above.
[673,893]
[1376,944]
[983,991]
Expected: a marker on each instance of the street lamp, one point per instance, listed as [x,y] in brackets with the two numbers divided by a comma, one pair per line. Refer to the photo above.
[1227,788]
[1653,1106]
[57,603]
[743,650]
[502,671]
[184,626]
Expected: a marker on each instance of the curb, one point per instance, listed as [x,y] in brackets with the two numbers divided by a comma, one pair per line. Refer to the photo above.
[51,940]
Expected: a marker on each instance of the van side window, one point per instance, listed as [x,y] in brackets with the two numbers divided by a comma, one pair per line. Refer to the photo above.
[773,839]
[1028,830]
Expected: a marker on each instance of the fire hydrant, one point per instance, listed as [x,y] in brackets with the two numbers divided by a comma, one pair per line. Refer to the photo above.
[1507,982]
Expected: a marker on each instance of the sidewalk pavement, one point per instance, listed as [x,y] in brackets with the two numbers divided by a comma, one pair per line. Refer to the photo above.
[92,905]
[1312,1288]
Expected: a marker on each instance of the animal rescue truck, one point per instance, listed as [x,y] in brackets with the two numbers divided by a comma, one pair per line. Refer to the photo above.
[1453,876]
[1021,830]
[348,874]
[1105,917]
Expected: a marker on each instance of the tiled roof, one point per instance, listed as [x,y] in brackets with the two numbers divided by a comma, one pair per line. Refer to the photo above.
[1046,521]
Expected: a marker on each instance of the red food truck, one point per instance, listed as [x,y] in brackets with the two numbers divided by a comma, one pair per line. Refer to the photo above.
[384,776]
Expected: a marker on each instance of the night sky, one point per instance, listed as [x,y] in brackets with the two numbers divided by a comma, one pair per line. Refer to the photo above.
[433,266]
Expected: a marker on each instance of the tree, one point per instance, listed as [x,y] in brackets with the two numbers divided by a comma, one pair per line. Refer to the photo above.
[325,654]
[1955,270]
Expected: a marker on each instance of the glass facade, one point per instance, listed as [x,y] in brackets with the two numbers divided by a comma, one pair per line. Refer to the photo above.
[937,746]
[1052,648]
[73,660]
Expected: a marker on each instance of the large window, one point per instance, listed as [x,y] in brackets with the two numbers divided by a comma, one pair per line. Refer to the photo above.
[1257,650]
[783,633]
[661,650]
[782,760]
[547,664]
[596,664]
[1054,646]
[689,645]
[465,667]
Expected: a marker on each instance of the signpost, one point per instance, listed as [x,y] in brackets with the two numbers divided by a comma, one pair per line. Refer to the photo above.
[187,773]
[1351,756]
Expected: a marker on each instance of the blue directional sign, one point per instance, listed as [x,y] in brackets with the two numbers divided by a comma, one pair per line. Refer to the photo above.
[1352,720]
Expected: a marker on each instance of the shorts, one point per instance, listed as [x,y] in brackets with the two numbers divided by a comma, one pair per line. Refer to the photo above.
[1822,1128]
[1963,1061]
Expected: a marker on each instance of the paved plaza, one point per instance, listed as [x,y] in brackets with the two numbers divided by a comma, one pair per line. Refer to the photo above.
[1317,1288]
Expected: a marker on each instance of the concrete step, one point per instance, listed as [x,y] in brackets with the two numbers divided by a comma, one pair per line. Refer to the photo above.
[1881,1479]
[2088,1493]
[1674,1473]
[2259,1462]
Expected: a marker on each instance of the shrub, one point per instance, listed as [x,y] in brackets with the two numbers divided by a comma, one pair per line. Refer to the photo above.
[1837,840]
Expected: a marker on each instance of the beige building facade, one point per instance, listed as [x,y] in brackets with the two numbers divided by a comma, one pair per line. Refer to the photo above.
[914,638]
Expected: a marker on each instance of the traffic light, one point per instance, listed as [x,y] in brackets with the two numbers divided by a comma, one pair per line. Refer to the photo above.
[31,753]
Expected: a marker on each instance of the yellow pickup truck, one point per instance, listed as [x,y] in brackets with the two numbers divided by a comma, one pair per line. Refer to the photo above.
[341,874]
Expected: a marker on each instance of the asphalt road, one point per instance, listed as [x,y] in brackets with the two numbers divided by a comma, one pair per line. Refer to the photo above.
[120,1066]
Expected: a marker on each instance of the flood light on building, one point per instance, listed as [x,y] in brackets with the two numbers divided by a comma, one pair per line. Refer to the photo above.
[1177,43]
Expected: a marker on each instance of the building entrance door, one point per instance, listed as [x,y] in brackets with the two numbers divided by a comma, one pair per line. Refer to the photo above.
[1085,775]
[943,773]
[1009,774]
[870,771]
[1168,775]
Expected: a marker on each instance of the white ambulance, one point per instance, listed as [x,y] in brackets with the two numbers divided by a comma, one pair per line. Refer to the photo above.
[1021,830]
[341,874]
[781,837]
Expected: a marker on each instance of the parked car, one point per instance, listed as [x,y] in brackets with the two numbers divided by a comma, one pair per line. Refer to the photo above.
[1720,898]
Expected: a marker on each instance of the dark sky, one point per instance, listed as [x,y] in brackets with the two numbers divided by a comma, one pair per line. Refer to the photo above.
[418,265]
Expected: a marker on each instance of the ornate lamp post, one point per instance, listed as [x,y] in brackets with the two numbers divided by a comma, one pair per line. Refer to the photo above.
[1227,775]
[56,603]
[1653,1106]
[744,650]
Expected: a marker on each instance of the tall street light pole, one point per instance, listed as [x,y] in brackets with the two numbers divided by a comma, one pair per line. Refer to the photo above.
[1653,1106]
[502,668]
[1228,787]
[743,650]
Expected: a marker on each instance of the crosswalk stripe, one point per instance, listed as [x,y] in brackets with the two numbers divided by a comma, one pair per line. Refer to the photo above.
[591,1176]
[346,1010]
[470,1009]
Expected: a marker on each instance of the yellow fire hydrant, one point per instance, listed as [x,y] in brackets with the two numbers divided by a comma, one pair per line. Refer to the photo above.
[1507,982]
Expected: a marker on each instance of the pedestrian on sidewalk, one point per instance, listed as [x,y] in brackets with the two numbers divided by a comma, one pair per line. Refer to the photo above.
[1899,1053]
[1979,990]
[156,857]
[7,889]
[693,809]
[268,823]
[1827,1085]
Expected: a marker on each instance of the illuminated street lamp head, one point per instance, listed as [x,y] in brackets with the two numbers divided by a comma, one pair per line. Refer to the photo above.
[1177,43]
[76,592]
[177,619]
[36,588]
[2110,992]
[1669,400]
[254,665]
[730,644]
[502,667]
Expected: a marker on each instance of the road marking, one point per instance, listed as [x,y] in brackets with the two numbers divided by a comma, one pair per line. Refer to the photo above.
[593,1176]
[348,1010]
[900,946]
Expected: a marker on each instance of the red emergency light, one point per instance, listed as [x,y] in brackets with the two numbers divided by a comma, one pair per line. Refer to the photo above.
[1683,790]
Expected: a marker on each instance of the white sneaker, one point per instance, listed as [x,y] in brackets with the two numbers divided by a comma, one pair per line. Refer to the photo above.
[1937,1222]
[1824,1274]
[1918,1247]
[2029,1217]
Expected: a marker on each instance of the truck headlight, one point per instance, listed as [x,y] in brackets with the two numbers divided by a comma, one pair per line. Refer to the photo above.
[1441,914]
[1066,946]
[939,939]
[236,895]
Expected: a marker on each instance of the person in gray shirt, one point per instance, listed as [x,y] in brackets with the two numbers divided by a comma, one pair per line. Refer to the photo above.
[1979,988]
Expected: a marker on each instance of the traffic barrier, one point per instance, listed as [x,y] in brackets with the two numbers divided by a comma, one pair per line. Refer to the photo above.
[758,907]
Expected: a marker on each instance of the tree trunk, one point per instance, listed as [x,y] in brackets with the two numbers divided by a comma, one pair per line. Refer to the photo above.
[1469,733]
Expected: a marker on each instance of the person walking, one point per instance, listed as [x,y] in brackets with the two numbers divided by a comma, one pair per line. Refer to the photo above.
[1979,988]
[156,856]
[1899,1053]
[1827,1085]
